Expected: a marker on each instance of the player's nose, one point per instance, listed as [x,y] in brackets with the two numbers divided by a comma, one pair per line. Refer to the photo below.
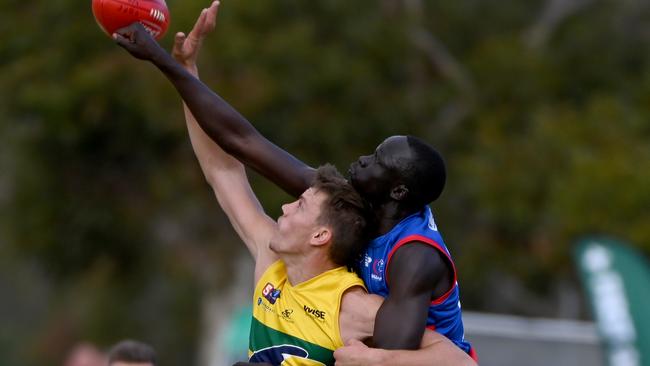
[363,161]
[286,208]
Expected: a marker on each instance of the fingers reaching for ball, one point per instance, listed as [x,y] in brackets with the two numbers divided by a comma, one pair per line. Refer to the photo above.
[137,41]
[126,35]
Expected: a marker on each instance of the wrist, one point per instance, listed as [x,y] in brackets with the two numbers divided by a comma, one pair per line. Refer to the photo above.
[160,58]
[166,63]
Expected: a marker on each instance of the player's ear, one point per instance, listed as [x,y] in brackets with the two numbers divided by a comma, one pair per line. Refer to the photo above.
[399,193]
[321,236]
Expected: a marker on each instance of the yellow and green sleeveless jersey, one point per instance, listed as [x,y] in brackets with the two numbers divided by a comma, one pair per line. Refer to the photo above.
[298,325]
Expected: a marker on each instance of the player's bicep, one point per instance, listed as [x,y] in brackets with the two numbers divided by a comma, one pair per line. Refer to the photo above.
[357,314]
[411,276]
[400,321]
[416,268]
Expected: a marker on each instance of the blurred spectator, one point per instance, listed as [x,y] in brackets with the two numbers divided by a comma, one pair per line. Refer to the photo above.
[85,354]
[131,353]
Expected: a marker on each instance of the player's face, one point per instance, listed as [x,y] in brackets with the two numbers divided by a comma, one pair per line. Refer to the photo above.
[373,176]
[299,223]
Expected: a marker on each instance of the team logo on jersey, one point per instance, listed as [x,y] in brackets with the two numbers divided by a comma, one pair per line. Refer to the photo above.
[270,293]
[377,270]
[286,315]
[315,313]
[432,223]
[366,260]
[266,308]
[276,355]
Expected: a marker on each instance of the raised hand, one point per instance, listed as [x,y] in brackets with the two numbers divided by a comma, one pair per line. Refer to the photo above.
[186,48]
[138,42]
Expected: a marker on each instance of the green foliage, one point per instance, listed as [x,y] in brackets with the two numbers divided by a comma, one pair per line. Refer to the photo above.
[107,229]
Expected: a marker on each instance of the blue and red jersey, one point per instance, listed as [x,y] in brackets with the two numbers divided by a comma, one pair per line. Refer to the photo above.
[444,312]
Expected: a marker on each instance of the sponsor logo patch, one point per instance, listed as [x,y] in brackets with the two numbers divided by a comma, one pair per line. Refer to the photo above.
[315,313]
[286,315]
[367,260]
[270,293]
[378,270]
[266,308]
[432,224]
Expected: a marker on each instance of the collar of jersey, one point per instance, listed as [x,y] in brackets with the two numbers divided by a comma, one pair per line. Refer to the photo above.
[312,280]
[380,240]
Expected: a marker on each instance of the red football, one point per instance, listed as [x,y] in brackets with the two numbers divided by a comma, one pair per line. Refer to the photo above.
[112,15]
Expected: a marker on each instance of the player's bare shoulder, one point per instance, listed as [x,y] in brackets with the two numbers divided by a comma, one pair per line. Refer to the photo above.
[357,314]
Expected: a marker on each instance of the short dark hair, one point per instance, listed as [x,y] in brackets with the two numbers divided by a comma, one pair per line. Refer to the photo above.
[131,351]
[346,212]
[425,175]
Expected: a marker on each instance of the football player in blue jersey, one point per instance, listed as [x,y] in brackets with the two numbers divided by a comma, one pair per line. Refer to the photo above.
[407,262]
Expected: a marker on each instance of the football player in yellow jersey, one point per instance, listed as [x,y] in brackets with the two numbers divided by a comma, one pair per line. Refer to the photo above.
[306,302]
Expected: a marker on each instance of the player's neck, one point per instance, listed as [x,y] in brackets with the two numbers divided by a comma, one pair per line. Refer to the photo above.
[390,214]
[303,267]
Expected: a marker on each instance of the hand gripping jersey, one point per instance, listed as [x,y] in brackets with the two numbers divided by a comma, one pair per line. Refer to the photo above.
[298,325]
[444,312]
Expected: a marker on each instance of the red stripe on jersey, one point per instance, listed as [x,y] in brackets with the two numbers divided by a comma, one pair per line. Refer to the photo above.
[433,243]
[473,355]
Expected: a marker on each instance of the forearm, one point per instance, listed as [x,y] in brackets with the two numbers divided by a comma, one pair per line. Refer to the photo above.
[438,356]
[211,157]
[224,125]
[217,118]
[436,350]
[228,180]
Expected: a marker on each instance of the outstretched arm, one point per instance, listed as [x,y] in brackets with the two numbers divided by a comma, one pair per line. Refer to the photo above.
[221,122]
[225,174]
